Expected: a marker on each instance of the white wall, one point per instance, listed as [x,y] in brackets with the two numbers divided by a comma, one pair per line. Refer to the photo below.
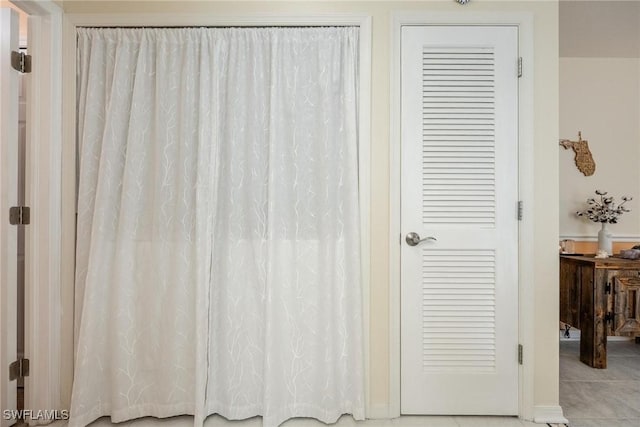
[545,203]
[600,96]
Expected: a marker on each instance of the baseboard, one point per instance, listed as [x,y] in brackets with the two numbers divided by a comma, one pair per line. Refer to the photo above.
[548,414]
[541,414]
[378,412]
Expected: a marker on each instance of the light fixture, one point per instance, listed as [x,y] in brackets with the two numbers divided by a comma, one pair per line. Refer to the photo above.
[463,1]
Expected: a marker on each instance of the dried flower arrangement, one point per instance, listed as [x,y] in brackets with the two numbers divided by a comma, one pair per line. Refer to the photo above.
[604,210]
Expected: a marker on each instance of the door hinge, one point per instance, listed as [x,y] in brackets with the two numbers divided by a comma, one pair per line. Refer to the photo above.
[607,288]
[19,369]
[520,209]
[19,215]
[520,350]
[20,61]
[608,317]
[519,66]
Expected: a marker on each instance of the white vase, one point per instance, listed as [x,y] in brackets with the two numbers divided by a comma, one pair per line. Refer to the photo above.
[604,239]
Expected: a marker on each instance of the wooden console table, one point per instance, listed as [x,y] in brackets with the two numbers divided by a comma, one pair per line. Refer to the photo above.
[600,297]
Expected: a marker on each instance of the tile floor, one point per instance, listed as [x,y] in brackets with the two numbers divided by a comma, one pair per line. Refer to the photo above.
[601,397]
[345,421]
[589,397]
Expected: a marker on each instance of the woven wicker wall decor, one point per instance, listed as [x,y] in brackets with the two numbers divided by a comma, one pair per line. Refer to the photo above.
[583,157]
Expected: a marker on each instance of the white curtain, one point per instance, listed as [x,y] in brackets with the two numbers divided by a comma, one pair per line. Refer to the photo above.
[218,254]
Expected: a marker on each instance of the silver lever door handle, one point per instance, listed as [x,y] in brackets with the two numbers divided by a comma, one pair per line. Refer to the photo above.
[413,239]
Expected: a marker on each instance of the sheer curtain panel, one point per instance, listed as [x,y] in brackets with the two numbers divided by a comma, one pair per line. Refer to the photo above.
[146,142]
[285,325]
[218,248]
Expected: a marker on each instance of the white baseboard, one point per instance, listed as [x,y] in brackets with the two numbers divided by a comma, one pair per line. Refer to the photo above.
[549,415]
[542,414]
[378,412]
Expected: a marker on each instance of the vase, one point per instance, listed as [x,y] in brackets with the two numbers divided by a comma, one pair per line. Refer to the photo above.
[604,239]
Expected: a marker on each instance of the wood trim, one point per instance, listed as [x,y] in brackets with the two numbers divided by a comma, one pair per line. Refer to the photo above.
[208,20]
[630,238]
[591,247]
[68,209]
[364,178]
[379,411]
[549,415]
[524,21]
[38,7]
[526,265]
[395,234]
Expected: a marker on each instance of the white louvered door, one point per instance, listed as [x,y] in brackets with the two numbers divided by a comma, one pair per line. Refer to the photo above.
[459,293]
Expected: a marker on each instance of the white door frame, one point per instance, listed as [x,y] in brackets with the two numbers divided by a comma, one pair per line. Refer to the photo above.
[9,82]
[67,167]
[524,21]
[43,311]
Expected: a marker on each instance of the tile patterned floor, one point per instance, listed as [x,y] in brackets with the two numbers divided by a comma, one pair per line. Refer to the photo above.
[589,397]
[601,397]
[345,421]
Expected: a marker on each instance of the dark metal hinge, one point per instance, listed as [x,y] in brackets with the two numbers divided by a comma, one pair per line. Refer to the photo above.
[608,317]
[520,356]
[21,62]
[607,288]
[19,215]
[520,209]
[520,67]
[19,369]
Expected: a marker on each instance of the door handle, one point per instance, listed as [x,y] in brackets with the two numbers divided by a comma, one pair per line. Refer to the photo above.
[413,239]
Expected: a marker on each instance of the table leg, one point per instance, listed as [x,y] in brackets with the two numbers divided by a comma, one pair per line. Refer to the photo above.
[593,334]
